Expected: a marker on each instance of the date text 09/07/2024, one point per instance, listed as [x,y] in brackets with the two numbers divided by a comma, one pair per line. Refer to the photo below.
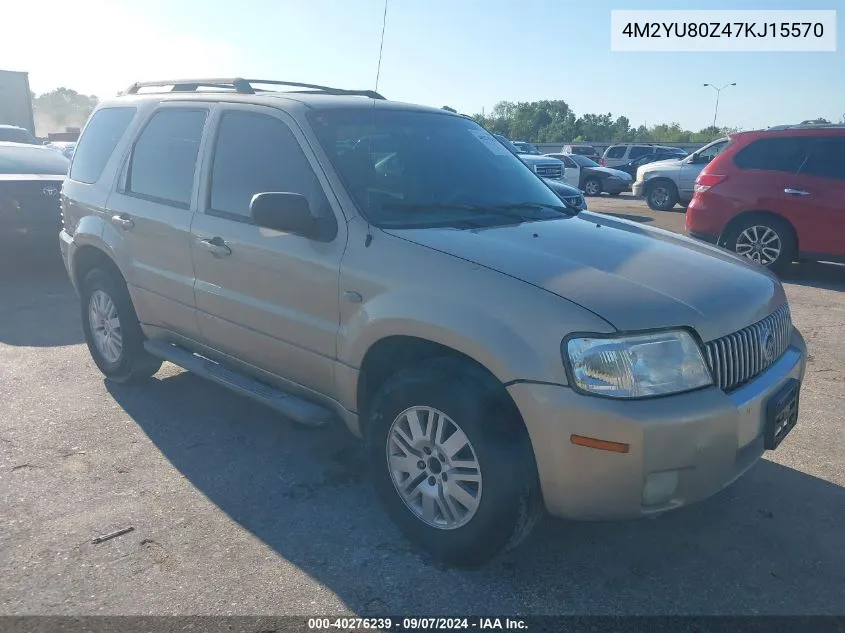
[415,624]
[724,29]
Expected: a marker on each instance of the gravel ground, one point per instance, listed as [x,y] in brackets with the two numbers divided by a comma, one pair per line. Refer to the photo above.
[236,511]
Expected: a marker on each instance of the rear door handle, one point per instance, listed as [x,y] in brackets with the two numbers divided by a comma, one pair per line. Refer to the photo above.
[217,246]
[123,221]
[796,192]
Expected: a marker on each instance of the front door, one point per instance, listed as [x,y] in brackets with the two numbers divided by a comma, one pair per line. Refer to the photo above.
[266,297]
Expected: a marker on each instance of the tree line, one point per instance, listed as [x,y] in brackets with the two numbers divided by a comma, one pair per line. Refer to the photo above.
[555,122]
[60,109]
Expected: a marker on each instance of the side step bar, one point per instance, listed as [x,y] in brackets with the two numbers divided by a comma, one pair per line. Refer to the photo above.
[299,410]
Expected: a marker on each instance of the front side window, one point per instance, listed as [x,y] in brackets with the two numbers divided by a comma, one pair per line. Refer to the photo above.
[615,152]
[407,168]
[826,159]
[164,158]
[256,153]
[785,154]
[98,140]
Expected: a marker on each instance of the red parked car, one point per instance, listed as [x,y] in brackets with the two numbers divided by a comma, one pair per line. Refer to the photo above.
[775,196]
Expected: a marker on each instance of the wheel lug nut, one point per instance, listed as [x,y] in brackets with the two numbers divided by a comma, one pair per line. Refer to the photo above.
[421,464]
[431,481]
[445,477]
[442,458]
[427,450]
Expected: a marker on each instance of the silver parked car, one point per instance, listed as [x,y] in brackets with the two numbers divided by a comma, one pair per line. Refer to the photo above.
[248,236]
[665,183]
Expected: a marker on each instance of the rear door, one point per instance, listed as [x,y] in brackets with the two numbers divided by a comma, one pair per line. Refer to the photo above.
[264,297]
[150,215]
[816,195]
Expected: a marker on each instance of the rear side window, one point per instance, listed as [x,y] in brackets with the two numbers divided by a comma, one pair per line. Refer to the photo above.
[615,152]
[164,157]
[97,143]
[827,159]
[785,154]
[256,153]
[639,150]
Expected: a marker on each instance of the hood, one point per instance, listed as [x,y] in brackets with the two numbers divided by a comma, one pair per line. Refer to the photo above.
[635,277]
[609,171]
[536,159]
[562,188]
[671,163]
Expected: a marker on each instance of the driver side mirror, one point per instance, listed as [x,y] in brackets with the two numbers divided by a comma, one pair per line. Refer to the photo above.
[289,213]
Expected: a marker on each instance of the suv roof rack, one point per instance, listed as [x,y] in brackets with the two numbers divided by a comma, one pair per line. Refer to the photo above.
[807,126]
[244,86]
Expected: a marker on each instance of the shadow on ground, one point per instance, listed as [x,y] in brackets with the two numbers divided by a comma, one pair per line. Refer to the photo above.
[38,306]
[771,543]
[817,275]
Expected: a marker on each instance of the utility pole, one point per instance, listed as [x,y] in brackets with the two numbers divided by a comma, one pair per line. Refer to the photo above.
[718,94]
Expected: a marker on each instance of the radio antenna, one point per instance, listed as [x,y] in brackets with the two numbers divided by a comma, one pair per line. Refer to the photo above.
[381,44]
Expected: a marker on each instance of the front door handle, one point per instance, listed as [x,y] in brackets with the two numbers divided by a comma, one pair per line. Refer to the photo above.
[217,246]
[796,192]
[123,221]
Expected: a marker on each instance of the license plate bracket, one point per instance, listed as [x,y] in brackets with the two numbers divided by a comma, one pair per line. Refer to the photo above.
[781,414]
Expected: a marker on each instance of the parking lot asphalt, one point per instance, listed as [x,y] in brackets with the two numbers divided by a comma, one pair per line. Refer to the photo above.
[237,511]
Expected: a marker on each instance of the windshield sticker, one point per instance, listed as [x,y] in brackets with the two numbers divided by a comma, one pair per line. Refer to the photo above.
[490,142]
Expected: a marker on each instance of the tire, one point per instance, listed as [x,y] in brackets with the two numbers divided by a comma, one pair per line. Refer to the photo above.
[769,230]
[127,361]
[661,195]
[592,187]
[507,490]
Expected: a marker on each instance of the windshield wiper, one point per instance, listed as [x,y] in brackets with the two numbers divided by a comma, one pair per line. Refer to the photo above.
[485,209]
[565,208]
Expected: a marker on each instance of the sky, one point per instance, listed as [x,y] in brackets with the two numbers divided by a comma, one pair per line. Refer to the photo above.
[468,54]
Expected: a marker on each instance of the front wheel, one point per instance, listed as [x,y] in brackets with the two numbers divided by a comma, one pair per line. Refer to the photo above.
[112,331]
[592,187]
[661,196]
[453,463]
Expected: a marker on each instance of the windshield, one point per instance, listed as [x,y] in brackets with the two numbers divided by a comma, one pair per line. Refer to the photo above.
[583,161]
[22,159]
[17,135]
[408,169]
[585,151]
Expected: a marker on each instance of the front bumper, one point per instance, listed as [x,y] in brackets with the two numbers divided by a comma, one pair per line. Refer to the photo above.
[615,185]
[706,439]
[638,188]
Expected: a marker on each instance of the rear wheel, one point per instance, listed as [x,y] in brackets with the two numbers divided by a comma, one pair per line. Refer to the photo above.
[766,240]
[661,195]
[112,331]
[453,463]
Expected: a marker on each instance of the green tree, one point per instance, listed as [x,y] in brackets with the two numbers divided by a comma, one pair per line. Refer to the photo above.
[62,108]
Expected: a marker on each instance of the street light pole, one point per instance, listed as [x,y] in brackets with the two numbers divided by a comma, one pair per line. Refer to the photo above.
[718,94]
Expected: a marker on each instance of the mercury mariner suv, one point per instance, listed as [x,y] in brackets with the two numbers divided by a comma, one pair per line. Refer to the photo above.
[339,256]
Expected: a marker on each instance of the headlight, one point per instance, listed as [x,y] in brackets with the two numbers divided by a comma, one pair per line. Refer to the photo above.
[637,366]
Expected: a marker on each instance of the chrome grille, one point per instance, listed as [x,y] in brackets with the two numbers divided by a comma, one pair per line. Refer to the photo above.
[549,170]
[737,358]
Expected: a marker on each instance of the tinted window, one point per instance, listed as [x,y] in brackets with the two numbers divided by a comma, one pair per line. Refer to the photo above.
[639,150]
[26,159]
[17,135]
[164,157]
[615,152]
[255,153]
[774,154]
[585,151]
[583,161]
[827,159]
[441,170]
[98,141]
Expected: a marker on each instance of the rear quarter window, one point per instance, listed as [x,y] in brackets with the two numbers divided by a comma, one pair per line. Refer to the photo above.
[640,150]
[785,154]
[97,143]
[615,152]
